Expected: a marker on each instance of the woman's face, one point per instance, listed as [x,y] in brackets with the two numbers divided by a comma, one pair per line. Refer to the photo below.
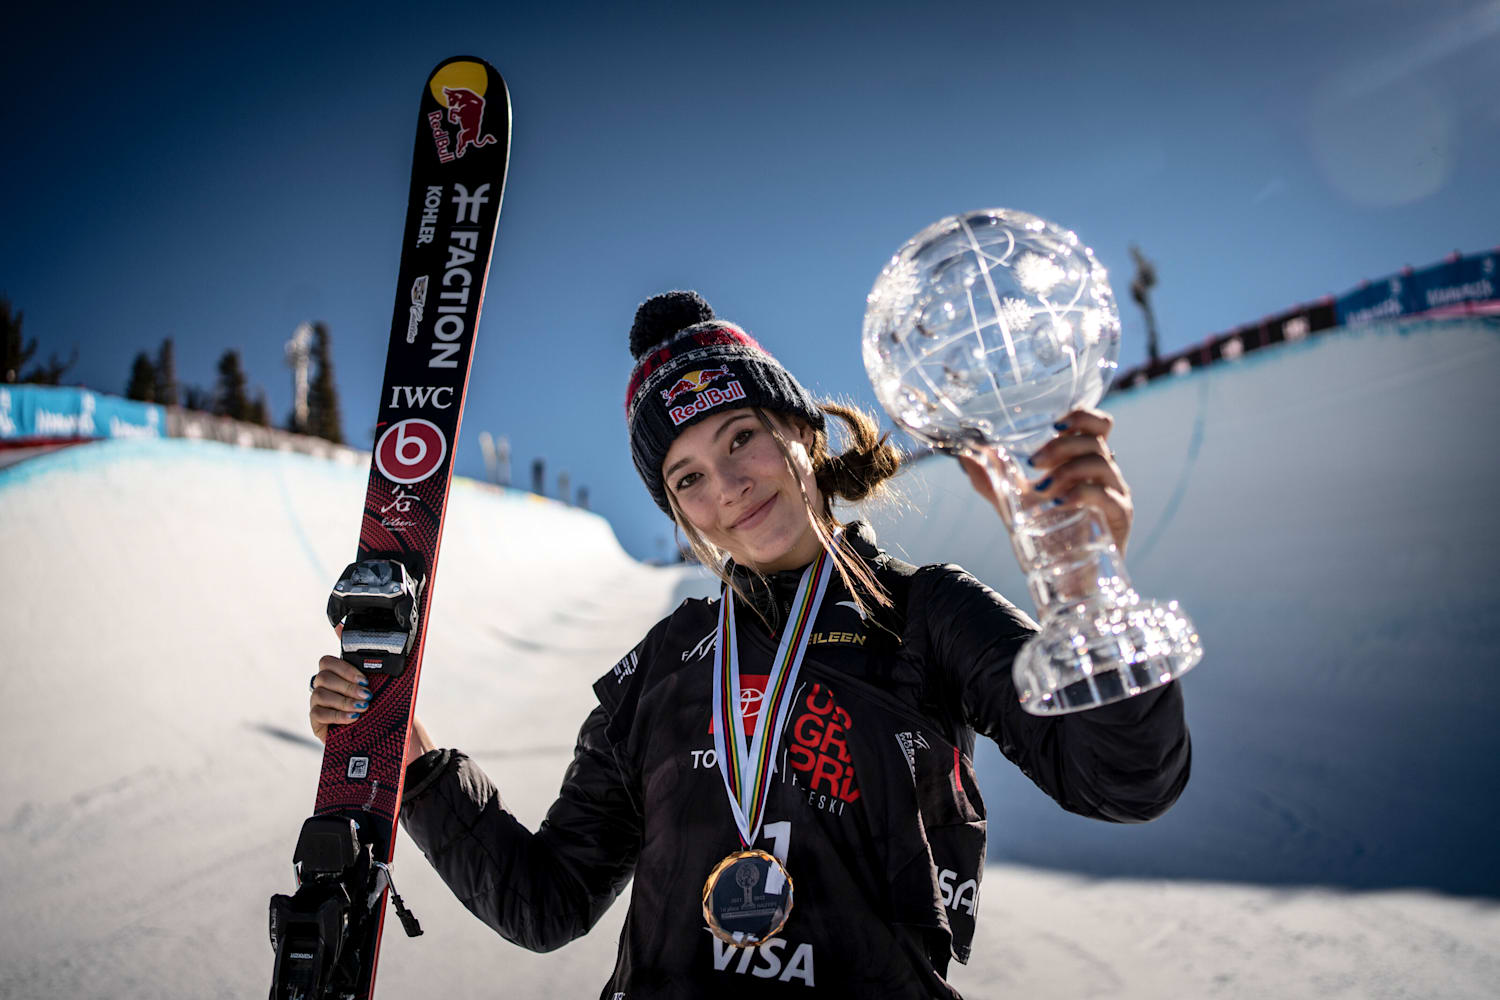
[731,482]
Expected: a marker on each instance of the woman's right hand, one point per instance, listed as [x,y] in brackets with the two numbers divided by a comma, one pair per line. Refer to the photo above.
[339,694]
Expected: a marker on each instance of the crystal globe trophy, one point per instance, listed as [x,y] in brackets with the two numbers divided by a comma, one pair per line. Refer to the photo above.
[980,335]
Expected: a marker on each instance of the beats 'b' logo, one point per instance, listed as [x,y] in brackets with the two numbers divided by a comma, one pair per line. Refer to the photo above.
[410,451]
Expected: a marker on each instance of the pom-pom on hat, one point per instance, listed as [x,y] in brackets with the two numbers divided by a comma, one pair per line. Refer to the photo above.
[691,365]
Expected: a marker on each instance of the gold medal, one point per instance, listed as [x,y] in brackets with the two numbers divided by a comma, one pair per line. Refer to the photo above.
[747,898]
[748,895]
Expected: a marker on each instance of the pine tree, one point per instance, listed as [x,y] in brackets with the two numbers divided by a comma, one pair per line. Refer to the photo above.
[166,374]
[52,372]
[230,399]
[142,385]
[322,394]
[260,413]
[14,351]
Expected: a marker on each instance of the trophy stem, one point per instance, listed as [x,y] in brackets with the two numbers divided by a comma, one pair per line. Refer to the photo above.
[1069,557]
[1100,642]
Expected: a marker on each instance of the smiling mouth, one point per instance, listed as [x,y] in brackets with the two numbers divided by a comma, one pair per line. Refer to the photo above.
[754,515]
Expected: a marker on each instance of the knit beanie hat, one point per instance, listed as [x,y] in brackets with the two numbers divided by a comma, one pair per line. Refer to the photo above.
[690,365]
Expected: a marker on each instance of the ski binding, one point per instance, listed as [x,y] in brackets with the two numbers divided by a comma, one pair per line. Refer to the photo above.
[376,601]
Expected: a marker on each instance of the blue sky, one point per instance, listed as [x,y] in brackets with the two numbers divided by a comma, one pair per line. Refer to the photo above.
[221,177]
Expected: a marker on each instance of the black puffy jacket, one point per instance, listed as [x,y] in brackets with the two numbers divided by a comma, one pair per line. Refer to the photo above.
[874,806]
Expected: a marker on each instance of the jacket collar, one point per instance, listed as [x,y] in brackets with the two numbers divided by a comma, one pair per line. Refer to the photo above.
[771,594]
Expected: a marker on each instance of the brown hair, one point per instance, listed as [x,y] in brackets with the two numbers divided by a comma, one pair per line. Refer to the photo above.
[857,473]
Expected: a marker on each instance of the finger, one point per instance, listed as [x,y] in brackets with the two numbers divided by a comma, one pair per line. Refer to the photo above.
[322,715]
[1092,469]
[1114,507]
[334,668]
[1066,448]
[344,696]
[335,691]
[978,477]
[1086,420]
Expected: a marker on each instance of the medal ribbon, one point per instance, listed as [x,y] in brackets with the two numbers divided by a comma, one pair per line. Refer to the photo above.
[747,769]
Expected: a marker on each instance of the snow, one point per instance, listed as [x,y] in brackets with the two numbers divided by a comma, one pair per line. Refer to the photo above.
[1324,511]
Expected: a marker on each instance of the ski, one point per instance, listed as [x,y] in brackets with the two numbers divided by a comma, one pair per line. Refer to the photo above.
[326,936]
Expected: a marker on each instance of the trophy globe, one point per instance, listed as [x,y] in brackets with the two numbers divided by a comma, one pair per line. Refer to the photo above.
[980,335]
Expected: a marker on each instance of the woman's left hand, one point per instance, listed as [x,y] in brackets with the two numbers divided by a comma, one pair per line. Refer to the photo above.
[1075,467]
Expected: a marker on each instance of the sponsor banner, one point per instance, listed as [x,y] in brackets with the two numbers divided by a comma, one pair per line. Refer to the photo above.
[58,413]
[1453,285]
[1292,325]
[1388,298]
[1459,286]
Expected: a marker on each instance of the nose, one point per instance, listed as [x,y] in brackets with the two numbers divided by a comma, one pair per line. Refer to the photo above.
[734,483]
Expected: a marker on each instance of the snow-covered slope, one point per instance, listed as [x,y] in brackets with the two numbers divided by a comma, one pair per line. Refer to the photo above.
[163,612]
[1322,511]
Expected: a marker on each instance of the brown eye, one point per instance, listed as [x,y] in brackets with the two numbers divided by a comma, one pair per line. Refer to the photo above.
[686,481]
[741,438]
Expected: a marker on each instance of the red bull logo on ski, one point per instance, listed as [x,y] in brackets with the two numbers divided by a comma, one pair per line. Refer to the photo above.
[459,87]
[705,395]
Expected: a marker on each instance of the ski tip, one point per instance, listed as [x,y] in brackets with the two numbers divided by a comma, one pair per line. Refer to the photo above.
[466,110]
[469,73]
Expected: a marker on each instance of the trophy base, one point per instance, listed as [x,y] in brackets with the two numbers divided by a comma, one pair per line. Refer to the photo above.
[1103,651]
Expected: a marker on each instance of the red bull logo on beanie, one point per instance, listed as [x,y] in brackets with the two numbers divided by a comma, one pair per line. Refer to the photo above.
[459,87]
[694,382]
[705,395]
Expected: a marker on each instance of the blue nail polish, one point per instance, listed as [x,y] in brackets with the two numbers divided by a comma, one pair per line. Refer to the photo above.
[1030,463]
[363,682]
[1044,484]
[1056,503]
[362,705]
[1061,425]
[353,716]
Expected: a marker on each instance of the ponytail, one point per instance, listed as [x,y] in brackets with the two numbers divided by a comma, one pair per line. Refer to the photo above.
[861,470]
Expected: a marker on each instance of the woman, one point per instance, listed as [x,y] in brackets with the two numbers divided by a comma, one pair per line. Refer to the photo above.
[786,771]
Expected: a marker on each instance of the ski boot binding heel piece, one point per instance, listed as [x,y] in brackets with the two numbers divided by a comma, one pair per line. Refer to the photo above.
[315,932]
[310,930]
